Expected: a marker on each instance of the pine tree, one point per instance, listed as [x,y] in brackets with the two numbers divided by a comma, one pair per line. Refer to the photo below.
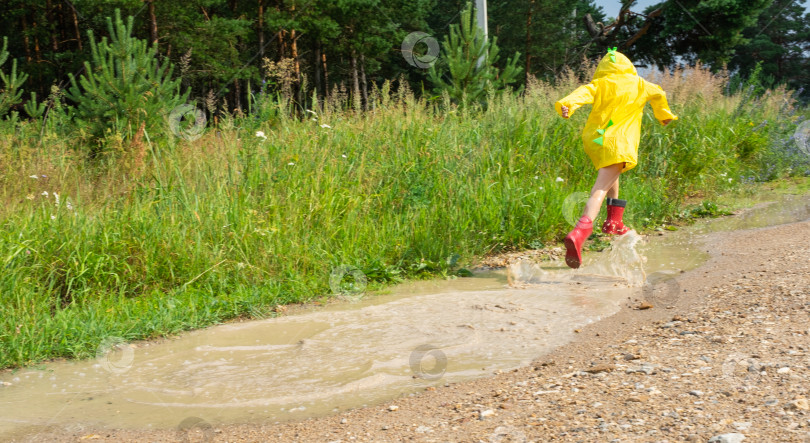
[470,60]
[11,93]
[124,88]
[781,42]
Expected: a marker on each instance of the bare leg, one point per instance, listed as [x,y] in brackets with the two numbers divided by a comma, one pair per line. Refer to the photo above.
[613,192]
[606,180]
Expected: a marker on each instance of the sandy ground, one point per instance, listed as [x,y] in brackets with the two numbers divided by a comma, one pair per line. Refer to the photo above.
[726,359]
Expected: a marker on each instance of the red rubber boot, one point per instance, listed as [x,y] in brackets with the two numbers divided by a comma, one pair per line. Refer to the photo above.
[613,224]
[574,241]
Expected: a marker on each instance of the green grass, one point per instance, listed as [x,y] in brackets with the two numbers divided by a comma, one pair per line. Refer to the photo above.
[190,234]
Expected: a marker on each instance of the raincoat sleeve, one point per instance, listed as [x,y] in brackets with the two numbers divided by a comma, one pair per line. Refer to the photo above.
[583,95]
[658,100]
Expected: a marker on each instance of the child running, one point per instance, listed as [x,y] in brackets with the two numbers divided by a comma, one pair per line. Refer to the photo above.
[611,137]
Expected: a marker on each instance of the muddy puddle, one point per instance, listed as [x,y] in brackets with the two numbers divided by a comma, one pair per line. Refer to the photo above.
[359,352]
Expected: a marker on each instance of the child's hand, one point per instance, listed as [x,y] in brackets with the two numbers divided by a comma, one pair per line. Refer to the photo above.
[564,111]
[666,122]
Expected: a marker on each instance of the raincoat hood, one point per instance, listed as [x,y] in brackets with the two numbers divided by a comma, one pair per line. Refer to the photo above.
[621,65]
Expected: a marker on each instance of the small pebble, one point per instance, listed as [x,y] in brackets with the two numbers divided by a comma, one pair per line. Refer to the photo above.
[728,438]
[741,425]
[799,404]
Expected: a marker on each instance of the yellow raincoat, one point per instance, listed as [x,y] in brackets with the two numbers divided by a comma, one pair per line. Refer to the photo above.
[618,94]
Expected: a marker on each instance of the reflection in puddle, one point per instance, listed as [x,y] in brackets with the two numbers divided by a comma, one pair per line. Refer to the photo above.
[354,354]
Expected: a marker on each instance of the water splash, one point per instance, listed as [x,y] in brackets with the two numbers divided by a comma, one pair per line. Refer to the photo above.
[621,264]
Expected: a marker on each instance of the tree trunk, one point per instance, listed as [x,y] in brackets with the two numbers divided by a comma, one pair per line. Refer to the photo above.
[237,99]
[26,40]
[76,27]
[529,39]
[363,80]
[325,76]
[37,51]
[294,46]
[356,101]
[261,31]
[52,22]
[153,34]
[318,69]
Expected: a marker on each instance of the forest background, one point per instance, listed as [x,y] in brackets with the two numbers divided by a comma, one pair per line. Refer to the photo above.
[221,46]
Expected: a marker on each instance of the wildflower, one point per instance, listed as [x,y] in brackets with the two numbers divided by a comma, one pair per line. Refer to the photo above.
[559,179]
[729,180]
[53,217]
[723,174]
[325,126]
[69,206]
[536,177]
[30,196]
[291,164]
[56,197]
[260,134]
[44,194]
[344,156]
[34,176]
[312,112]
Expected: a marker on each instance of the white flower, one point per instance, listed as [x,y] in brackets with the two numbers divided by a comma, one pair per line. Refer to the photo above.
[34,176]
[536,177]
[56,196]
[541,188]
[312,112]
[723,174]
[729,180]
[325,126]
[44,194]
[69,206]
[344,156]
[53,217]
[559,179]
[291,164]
[260,134]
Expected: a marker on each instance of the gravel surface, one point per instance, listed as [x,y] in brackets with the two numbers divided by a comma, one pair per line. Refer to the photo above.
[720,354]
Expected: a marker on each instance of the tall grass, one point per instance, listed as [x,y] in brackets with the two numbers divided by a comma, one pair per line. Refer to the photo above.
[171,235]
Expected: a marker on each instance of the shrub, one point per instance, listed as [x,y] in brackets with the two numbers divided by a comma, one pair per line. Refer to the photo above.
[124,90]
[11,92]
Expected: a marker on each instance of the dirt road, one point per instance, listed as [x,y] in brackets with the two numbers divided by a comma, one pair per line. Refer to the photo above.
[729,360]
